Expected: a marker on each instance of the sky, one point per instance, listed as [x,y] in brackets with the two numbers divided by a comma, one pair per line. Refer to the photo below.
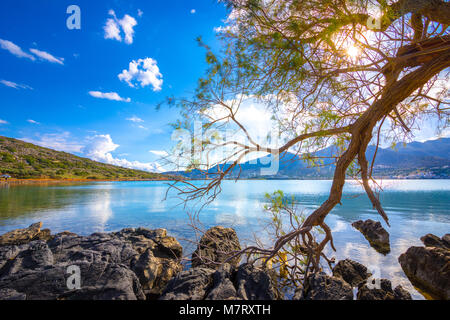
[93,91]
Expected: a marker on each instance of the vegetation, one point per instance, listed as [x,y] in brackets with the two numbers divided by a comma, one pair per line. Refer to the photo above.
[24,160]
[331,72]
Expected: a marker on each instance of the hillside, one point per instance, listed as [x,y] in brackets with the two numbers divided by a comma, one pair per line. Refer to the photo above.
[24,160]
[430,159]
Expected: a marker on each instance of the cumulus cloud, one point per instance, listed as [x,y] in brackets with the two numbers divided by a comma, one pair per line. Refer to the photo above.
[193,11]
[3,121]
[114,26]
[159,153]
[15,49]
[15,85]
[140,13]
[57,141]
[108,95]
[134,119]
[47,56]
[100,147]
[144,72]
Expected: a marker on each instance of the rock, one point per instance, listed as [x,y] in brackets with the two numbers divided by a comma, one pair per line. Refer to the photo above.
[215,247]
[36,255]
[384,292]
[23,236]
[428,268]
[154,273]
[377,236]
[226,283]
[99,280]
[192,284]
[223,287]
[10,294]
[401,294]
[430,240]
[253,284]
[320,286]
[351,271]
[128,264]
[446,240]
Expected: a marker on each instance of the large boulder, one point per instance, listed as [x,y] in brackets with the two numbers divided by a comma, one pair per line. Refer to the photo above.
[383,292]
[320,286]
[216,246]
[129,264]
[23,236]
[223,288]
[253,283]
[428,269]
[430,240]
[245,282]
[192,284]
[351,271]
[374,232]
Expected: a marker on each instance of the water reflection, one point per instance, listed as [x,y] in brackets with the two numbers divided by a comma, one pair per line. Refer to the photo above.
[415,208]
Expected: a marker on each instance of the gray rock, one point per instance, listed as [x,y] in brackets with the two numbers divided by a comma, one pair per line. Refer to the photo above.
[215,247]
[24,236]
[34,256]
[253,284]
[223,287]
[377,236]
[99,280]
[121,265]
[384,292]
[428,268]
[192,284]
[320,286]
[430,240]
[351,271]
[154,273]
[10,294]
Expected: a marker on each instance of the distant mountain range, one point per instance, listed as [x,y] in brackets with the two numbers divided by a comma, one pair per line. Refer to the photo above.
[430,159]
[23,160]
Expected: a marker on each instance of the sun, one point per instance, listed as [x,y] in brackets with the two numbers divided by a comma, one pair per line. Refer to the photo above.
[353,51]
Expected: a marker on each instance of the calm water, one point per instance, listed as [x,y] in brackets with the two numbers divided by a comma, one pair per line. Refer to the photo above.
[415,208]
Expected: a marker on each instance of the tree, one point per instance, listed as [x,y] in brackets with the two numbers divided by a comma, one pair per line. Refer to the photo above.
[332,72]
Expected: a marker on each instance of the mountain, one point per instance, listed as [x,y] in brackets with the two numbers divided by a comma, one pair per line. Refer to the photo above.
[24,160]
[430,159]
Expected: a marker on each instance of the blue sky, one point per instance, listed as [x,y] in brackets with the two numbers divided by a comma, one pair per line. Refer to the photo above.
[60,88]
[93,91]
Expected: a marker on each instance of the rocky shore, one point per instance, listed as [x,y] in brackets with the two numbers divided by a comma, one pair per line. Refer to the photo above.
[139,264]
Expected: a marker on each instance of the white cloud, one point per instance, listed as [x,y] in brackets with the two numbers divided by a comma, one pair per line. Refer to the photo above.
[47,56]
[100,147]
[193,11]
[15,49]
[3,121]
[143,71]
[140,13]
[108,95]
[134,119]
[142,127]
[57,141]
[33,121]
[113,26]
[160,153]
[15,85]
[112,30]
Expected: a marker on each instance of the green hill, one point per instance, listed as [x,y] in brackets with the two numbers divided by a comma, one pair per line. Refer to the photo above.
[24,160]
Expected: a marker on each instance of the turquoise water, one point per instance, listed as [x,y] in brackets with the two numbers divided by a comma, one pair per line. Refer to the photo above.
[415,208]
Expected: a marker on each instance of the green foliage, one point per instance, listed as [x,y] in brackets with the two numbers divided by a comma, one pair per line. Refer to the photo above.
[26,161]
